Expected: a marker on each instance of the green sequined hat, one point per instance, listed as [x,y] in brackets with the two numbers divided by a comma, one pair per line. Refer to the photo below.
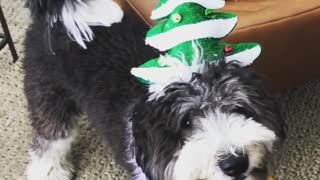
[190,34]
[190,21]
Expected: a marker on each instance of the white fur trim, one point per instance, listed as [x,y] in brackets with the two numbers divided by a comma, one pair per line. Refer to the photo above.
[160,75]
[168,7]
[156,75]
[179,70]
[217,134]
[246,57]
[51,164]
[217,28]
[77,20]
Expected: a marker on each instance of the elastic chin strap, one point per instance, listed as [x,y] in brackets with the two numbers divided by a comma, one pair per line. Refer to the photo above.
[136,171]
[138,174]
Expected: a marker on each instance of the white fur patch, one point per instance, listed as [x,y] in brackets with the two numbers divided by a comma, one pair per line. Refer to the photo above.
[217,134]
[78,19]
[217,28]
[51,164]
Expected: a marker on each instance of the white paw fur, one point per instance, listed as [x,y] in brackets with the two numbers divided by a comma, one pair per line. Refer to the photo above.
[51,164]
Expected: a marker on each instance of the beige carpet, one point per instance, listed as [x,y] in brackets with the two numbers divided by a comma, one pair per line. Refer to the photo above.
[301,156]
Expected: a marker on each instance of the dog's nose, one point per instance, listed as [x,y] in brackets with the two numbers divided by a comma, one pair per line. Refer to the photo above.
[234,166]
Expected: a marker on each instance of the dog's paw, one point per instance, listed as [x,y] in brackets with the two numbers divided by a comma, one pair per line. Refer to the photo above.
[45,169]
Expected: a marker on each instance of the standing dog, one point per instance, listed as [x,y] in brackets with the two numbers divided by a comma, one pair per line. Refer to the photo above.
[216,123]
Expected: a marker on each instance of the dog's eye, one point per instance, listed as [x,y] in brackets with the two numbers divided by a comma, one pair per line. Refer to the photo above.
[186,122]
[242,111]
[238,110]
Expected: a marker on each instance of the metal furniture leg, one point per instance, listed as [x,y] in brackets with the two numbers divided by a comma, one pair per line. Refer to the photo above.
[6,37]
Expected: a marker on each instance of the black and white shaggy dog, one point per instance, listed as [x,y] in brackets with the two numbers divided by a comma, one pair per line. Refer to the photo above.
[219,123]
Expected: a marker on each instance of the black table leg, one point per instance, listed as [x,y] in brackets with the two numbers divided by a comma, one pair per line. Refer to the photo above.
[6,37]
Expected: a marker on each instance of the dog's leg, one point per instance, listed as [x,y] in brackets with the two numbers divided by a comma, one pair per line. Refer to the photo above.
[52,114]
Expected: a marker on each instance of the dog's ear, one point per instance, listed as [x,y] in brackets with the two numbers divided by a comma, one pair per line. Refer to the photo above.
[262,102]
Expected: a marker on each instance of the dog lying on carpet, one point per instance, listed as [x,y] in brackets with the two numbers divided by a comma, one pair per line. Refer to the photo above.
[221,124]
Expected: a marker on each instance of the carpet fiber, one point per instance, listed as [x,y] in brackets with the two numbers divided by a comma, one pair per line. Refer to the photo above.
[301,106]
